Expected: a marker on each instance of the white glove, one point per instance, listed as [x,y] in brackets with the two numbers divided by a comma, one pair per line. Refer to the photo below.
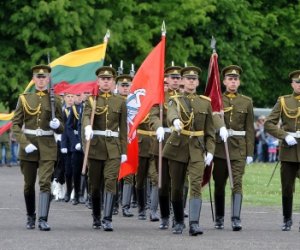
[88,132]
[249,160]
[57,137]
[223,134]
[64,150]
[54,123]
[78,146]
[123,158]
[290,140]
[160,134]
[177,125]
[30,148]
[208,158]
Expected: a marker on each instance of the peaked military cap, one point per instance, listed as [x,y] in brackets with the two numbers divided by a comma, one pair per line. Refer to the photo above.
[191,71]
[295,76]
[124,79]
[173,70]
[41,69]
[232,70]
[106,71]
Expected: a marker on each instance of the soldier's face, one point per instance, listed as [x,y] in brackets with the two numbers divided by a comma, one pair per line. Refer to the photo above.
[296,87]
[69,100]
[190,84]
[173,81]
[231,83]
[41,81]
[123,89]
[106,84]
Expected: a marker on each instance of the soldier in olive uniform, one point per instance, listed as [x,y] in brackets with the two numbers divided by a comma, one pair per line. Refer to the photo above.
[189,148]
[172,80]
[108,135]
[287,111]
[238,128]
[34,129]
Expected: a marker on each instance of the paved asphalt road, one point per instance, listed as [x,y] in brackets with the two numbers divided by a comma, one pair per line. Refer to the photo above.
[71,227]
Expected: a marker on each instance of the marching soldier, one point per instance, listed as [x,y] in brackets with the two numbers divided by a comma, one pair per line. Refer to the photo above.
[172,80]
[190,147]
[108,135]
[286,110]
[239,129]
[34,129]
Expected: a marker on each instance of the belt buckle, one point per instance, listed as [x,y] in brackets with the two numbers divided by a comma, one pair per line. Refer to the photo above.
[39,132]
[298,134]
[230,132]
[108,133]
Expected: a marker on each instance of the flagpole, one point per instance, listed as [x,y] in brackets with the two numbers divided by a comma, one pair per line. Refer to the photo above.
[88,143]
[163,34]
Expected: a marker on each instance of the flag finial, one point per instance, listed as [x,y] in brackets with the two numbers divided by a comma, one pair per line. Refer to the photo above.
[213,44]
[163,29]
[107,36]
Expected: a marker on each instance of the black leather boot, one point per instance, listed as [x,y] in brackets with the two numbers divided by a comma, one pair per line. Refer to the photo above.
[236,212]
[194,215]
[179,217]
[30,208]
[220,207]
[164,204]
[96,212]
[154,204]
[44,204]
[69,189]
[108,210]
[76,181]
[287,208]
[83,182]
[140,194]
[126,198]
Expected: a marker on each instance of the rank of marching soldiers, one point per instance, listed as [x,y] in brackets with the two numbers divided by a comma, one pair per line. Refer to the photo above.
[255,189]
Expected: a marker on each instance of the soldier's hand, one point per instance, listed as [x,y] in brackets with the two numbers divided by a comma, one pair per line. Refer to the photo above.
[64,150]
[249,160]
[223,134]
[290,140]
[208,159]
[78,146]
[177,125]
[54,123]
[123,158]
[30,148]
[88,132]
[160,134]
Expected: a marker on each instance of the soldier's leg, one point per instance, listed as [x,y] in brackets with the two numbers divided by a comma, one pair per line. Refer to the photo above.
[126,195]
[117,197]
[288,173]
[220,175]
[45,172]
[153,175]
[238,170]
[140,178]
[185,192]
[95,177]
[68,175]
[177,174]
[77,162]
[111,171]
[196,170]
[29,171]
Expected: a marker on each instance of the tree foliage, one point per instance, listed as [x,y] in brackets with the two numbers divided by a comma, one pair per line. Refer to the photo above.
[259,35]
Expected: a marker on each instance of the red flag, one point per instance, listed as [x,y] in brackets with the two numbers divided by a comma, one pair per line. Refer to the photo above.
[5,126]
[213,90]
[78,88]
[147,89]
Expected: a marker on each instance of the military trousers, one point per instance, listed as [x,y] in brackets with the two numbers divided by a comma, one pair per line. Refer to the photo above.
[220,175]
[128,179]
[103,173]
[143,171]
[32,169]
[288,174]
[165,176]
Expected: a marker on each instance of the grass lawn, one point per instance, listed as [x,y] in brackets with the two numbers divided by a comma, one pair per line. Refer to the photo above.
[255,190]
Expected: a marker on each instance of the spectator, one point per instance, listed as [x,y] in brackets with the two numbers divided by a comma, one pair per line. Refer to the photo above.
[260,136]
[14,148]
[272,143]
[4,139]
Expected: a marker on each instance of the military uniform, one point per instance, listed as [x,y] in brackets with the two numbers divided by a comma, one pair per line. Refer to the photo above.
[239,122]
[155,123]
[38,149]
[108,144]
[186,147]
[286,110]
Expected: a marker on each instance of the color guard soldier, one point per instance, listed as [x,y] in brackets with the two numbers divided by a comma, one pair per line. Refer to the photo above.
[34,129]
[287,111]
[108,135]
[189,148]
[239,130]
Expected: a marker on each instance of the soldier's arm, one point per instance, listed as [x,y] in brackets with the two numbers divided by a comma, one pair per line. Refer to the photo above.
[250,132]
[209,132]
[172,113]
[218,121]
[123,128]
[271,124]
[59,116]
[154,120]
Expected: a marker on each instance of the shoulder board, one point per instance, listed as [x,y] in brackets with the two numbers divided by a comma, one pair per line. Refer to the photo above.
[205,97]
[247,97]
[285,96]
